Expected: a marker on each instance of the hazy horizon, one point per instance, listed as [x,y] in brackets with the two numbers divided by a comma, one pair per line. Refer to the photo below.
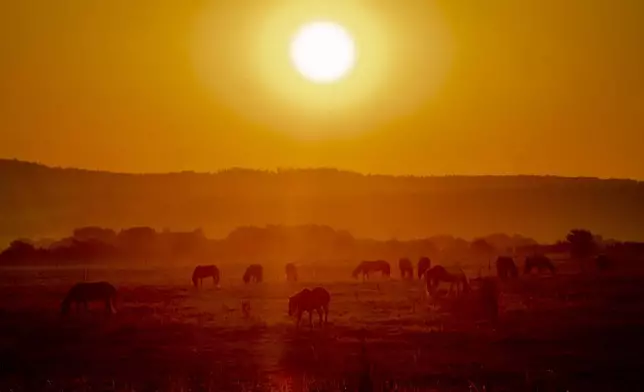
[311,168]
[43,201]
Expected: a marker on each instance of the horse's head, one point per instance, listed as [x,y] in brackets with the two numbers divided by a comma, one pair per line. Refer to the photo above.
[292,306]
[64,307]
[357,271]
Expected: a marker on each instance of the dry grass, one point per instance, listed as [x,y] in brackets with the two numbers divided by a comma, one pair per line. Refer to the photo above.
[564,333]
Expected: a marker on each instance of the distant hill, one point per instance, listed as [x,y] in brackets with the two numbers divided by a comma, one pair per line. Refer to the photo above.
[40,201]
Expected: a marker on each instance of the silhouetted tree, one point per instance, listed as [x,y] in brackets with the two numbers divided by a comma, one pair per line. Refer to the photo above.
[138,241]
[482,247]
[18,251]
[95,233]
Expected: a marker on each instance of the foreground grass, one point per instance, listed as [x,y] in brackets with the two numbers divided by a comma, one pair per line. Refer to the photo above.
[567,333]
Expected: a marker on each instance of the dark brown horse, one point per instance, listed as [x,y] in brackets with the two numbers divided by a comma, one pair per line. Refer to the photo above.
[291,272]
[423,265]
[540,262]
[367,267]
[406,268]
[254,272]
[437,274]
[505,268]
[307,300]
[202,272]
[82,293]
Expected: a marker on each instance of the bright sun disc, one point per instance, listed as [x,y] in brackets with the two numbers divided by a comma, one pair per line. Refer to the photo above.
[323,52]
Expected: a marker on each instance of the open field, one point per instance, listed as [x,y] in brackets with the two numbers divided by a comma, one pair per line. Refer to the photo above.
[570,332]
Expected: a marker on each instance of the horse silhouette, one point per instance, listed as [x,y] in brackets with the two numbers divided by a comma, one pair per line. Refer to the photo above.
[254,272]
[505,268]
[437,274]
[205,271]
[291,272]
[307,300]
[367,267]
[406,268]
[85,292]
[540,262]
[423,265]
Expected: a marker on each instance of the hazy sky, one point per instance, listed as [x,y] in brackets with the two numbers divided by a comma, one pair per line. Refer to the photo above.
[444,87]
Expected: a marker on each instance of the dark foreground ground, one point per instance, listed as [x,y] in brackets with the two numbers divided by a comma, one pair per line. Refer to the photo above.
[567,333]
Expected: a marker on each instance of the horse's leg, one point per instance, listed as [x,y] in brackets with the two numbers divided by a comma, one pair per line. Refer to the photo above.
[320,311]
[299,318]
[311,318]
[326,314]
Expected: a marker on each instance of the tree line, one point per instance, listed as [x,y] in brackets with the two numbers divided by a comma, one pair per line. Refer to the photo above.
[277,243]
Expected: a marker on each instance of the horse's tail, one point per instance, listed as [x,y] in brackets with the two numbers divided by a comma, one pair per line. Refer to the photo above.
[528,266]
[428,288]
[112,298]
[383,266]
[466,284]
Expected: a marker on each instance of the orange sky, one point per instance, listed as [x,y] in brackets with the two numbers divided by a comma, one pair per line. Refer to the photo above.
[443,87]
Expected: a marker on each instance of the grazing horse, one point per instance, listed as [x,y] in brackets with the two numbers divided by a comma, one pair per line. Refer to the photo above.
[603,262]
[505,268]
[82,293]
[540,262]
[254,271]
[308,301]
[205,271]
[423,265]
[406,268]
[291,272]
[367,267]
[438,274]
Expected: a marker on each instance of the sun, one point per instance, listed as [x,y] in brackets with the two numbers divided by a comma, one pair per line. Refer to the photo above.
[323,52]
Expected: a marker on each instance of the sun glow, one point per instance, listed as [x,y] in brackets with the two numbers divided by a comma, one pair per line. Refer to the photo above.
[322,52]
[318,70]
